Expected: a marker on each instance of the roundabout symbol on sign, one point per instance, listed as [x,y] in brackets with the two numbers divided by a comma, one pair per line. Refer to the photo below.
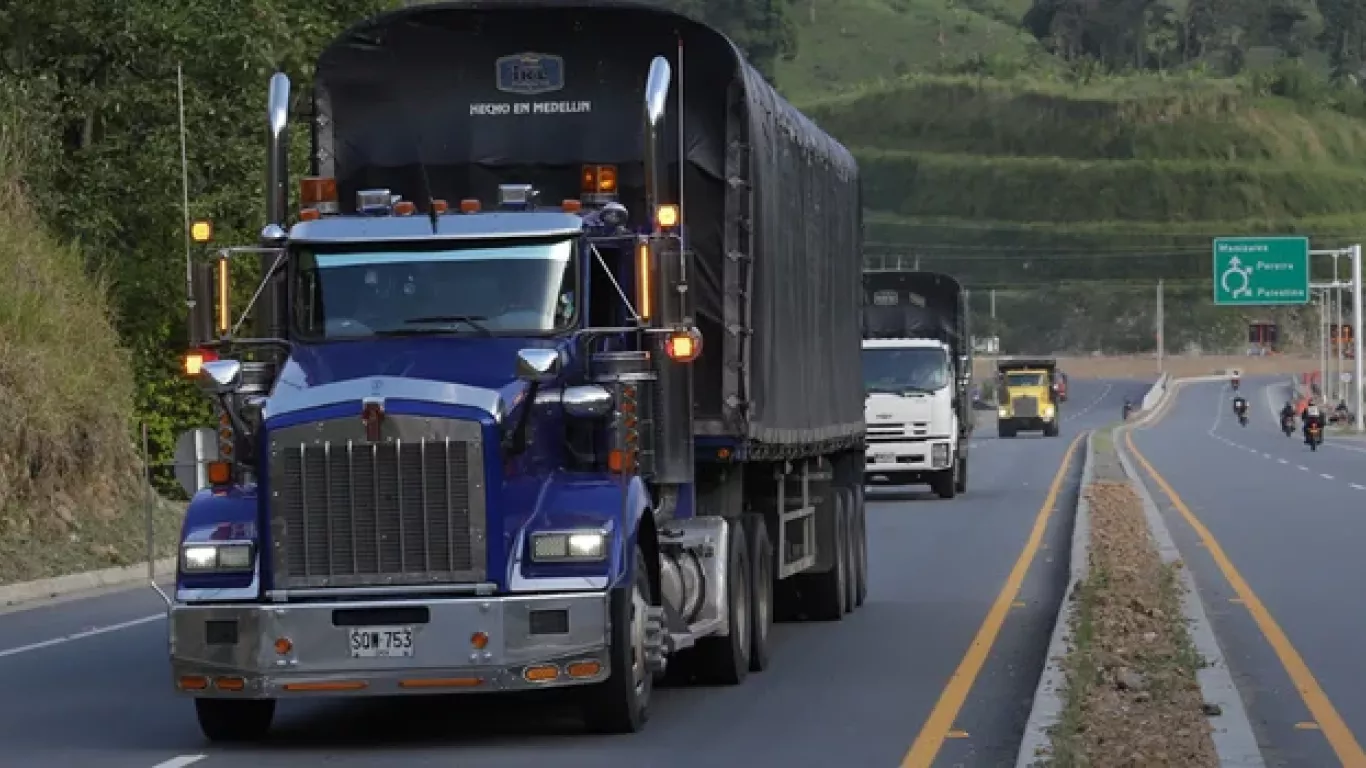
[1236,274]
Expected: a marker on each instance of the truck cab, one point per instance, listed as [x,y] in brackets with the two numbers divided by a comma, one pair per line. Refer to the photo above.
[1027,397]
[912,422]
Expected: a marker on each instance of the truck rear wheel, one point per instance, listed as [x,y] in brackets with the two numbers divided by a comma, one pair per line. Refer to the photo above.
[823,594]
[234,720]
[726,660]
[860,512]
[761,590]
[621,703]
[846,502]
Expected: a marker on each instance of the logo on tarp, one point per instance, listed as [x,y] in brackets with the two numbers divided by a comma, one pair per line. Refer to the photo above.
[530,73]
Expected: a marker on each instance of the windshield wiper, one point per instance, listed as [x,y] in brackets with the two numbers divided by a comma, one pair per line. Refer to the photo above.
[470,320]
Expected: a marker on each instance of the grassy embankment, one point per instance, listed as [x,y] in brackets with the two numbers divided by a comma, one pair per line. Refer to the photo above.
[69,495]
[1022,179]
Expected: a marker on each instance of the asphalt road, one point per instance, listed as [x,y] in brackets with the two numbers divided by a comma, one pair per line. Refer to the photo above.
[924,666]
[1276,554]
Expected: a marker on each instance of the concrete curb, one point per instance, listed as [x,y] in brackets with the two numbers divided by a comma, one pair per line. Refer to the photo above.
[1234,740]
[1048,703]
[28,591]
[1156,392]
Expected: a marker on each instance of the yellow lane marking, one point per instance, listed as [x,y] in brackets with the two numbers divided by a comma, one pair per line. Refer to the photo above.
[1339,736]
[938,725]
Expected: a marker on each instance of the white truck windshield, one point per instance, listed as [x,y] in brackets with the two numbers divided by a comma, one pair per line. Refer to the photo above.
[898,371]
[506,288]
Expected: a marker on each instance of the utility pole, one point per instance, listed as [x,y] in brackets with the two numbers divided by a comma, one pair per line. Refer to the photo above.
[1338,389]
[1356,335]
[1323,342]
[1161,327]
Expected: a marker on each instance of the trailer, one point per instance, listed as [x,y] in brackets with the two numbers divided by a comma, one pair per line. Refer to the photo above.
[554,380]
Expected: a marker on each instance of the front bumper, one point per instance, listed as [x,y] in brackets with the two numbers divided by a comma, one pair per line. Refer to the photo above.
[901,459]
[459,645]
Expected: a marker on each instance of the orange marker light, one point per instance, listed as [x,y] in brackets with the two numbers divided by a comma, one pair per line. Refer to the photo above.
[684,346]
[469,205]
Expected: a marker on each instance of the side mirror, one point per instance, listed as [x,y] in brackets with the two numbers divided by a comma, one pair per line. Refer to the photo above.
[538,366]
[588,401]
[220,377]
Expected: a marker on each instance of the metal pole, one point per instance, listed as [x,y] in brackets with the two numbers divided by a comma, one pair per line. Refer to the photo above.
[1161,327]
[1323,341]
[1356,334]
[1339,394]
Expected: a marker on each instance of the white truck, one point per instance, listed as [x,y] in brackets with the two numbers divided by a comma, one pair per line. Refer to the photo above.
[917,370]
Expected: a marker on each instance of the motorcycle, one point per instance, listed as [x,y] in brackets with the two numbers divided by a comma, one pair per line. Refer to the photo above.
[1288,425]
[1242,418]
[1128,409]
[1315,438]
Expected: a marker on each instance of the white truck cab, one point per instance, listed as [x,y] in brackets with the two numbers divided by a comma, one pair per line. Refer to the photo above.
[913,430]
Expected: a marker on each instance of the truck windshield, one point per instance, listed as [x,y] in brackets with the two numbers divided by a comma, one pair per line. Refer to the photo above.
[1024,379]
[467,289]
[899,371]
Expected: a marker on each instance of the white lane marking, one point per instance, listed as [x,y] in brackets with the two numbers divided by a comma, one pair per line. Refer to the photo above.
[79,635]
[1306,469]
[1093,404]
[1283,461]
[1325,477]
[1266,455]
[181,761]
[1358,486]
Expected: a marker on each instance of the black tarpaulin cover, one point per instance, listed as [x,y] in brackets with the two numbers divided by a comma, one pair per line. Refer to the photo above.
[909,305]
[458,97]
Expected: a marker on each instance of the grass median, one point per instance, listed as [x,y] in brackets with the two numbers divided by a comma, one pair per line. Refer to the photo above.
[1131,695]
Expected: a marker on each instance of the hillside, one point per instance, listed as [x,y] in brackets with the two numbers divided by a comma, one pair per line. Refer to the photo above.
[1024,173]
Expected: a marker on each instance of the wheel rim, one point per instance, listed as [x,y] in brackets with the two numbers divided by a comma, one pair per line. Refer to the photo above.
[639,608]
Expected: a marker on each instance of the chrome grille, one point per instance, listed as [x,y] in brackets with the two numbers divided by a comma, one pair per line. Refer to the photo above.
[1026,407]
[408,510]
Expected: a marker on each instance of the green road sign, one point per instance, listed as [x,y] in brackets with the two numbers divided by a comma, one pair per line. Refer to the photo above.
[1261,270]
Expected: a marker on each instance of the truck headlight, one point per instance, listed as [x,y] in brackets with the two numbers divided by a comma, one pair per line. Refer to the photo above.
[1048,411]
[939,454]
[1003,413]
[569,546]
[226,557]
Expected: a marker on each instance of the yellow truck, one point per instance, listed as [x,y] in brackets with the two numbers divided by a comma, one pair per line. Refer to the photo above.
[1027,396]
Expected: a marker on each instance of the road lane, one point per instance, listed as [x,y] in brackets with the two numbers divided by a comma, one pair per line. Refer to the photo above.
[856,691]
[1292,537]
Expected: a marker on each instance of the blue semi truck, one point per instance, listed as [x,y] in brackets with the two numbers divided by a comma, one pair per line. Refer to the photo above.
[552,378]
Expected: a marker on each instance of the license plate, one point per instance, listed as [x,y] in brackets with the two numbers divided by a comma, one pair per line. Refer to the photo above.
[884,458]
[381,642]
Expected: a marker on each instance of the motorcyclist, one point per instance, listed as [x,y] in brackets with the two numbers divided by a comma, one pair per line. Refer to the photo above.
[1288,412]
[1312,415]
[1128,407]
[1235,383]
[1239,405]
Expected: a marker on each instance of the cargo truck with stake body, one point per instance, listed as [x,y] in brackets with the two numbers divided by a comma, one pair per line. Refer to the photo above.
[917,374]
[553,379]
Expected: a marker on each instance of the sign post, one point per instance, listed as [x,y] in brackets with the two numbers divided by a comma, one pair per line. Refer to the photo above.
[1261,271]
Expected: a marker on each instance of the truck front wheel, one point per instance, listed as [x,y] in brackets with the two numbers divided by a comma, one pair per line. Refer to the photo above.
[945,483]
[1005,429]
[234,720]
[961,484]
[621,703]
[1051,429]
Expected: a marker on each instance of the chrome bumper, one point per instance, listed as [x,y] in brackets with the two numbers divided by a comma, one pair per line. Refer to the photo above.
[906,457]
[459,645]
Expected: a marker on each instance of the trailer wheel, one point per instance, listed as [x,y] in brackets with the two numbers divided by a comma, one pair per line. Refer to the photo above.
[823,594]
[761,590]
[860,512]
[621,703]
[726,660]
[234,720]
[961,484]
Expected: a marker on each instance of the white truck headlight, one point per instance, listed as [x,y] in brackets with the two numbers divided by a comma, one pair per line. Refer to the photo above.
[939,454]
[1048,411]
[215,557]
[569,546]
[1003,413]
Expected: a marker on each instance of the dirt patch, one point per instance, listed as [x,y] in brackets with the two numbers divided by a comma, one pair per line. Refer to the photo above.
[91,543]
[1145,366]
[1132,699]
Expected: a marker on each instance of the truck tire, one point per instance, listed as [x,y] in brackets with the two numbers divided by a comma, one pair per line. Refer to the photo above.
[846,501]
[234,720]
[761,590]
[1005,430]
[1051,429]
[823,594]
[945,483]
[861,538]
[961,484]
[621,703]
[725,660]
